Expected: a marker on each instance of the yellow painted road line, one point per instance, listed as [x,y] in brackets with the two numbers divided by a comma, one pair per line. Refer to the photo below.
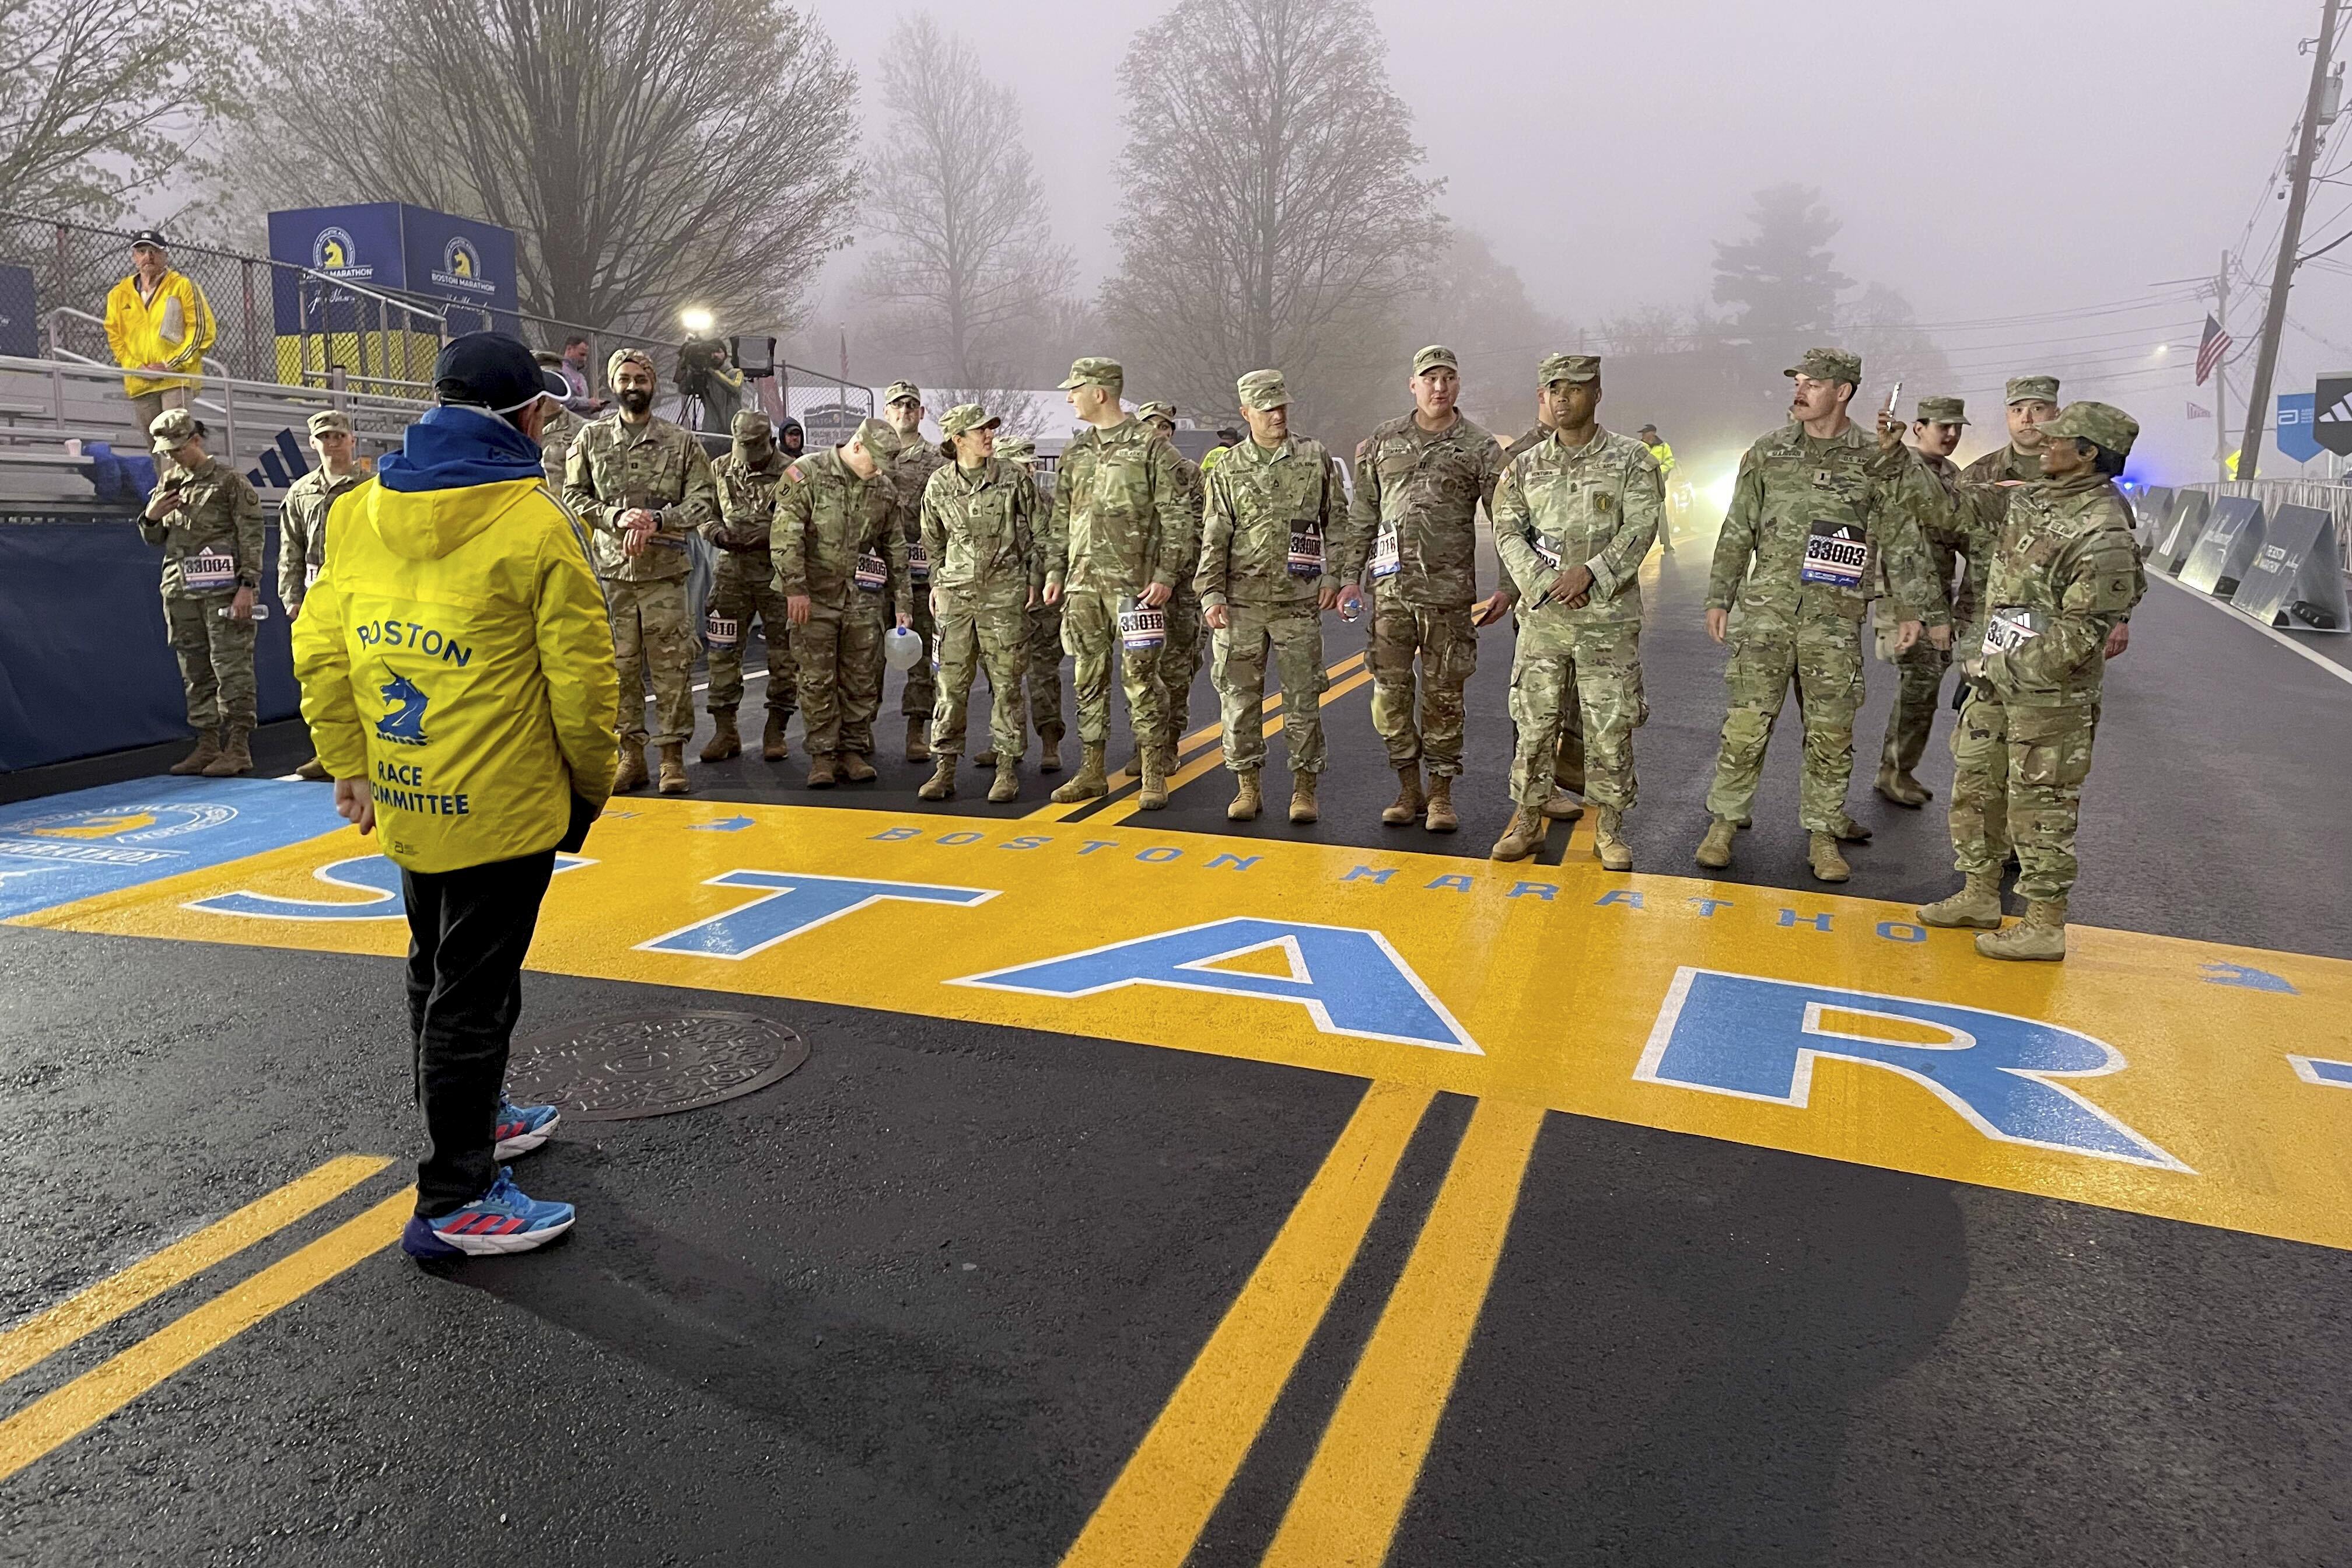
[1208,762]
[47,1332]
[1346,1511]
[65,1413]
[1162,1499]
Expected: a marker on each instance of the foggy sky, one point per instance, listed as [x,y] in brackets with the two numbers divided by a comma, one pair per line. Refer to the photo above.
[1989,159]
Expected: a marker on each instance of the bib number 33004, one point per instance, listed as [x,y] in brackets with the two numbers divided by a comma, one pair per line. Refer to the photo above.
[1835,554]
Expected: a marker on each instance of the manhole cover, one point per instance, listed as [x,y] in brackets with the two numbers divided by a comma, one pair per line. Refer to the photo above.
[653,1065]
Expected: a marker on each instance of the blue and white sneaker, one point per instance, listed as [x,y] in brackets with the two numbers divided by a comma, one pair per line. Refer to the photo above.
[501,1220]
[523,1128]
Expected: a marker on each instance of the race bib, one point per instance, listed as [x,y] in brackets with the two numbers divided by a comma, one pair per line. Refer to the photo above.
[1305,551]
[1142,628]
[310,575]
[918,560]
[721,631]
[2008,630]
[1385,561]
[1835,554]
[872,573]
[206,570]
[1544,551]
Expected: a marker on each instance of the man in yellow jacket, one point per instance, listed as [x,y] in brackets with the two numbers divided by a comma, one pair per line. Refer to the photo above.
[457,676]
[161,327]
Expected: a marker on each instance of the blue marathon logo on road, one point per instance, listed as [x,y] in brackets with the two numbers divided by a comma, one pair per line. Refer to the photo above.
[374,875]
[403,723]
[78,846]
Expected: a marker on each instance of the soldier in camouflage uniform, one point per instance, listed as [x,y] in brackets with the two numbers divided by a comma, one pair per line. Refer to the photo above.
[1815,502]
[1921,666]
[902,408]
[838,551]
[1573,518]
[1270,516]
[1179,658]
[644,486]
[2064,574]
[207,517]
[980,528]
[743,586]
[1041,663]
[1413,524]
[302,523]
[1568,762]
[1119,536]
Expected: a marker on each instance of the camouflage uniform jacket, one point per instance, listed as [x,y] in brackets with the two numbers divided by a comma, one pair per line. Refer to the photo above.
[1792,484]
[1525,443]
[2004,462]
[1597,506]
[217,512]
[1929,487]
[1261,506]
[980,526]
[1426,487]
[747,501]
[913,468]
[302,528]
[825,520]
[1120,517]
[2063,573]
[1196,491]
[555,439]
[656,465]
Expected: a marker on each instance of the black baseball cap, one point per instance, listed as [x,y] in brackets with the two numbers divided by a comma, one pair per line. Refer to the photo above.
[493,371]
[154,237]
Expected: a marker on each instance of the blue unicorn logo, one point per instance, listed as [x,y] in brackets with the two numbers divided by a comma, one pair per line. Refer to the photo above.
[404,724]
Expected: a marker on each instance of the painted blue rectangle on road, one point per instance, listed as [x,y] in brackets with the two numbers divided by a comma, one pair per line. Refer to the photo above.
[63,847]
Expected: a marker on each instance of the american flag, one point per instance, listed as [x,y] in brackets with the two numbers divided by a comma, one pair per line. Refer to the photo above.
[2210,349]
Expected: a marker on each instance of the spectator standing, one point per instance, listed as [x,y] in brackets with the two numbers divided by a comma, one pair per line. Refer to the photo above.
[160,327]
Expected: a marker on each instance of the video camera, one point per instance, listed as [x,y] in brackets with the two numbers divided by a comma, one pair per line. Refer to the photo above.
[697,359]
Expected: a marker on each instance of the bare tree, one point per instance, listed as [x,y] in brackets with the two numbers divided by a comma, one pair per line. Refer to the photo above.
[97,98]
[1476,304]
[651,153]
[1274,216]
[965,257]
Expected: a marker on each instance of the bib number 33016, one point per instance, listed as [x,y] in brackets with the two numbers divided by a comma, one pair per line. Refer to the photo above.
[1835,554]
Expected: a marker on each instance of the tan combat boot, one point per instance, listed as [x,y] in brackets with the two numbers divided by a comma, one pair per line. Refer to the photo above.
[2041,934]
[673,770]
[941,784]
[314,770]
[1523,837]
[1246,800]
[1561,806]
[1087,782]
[632,773]
[1154,793]
[1302,800]
[1609,845]
[1899,787]
[772,740]
[823,771]
[1715,849]
[725,741]
[235,757]
[985,758]
[918,740]
[1410,801]
[1828,866]
[196,762]
[1977,904]
[855,768]
[1008,781]
[1439,817]
[1849,831]
[1051,742]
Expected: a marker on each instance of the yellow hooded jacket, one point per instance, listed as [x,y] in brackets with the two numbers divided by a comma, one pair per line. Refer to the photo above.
[173,328]
[455,652]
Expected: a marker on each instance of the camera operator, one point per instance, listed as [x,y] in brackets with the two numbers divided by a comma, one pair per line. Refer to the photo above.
[705,375]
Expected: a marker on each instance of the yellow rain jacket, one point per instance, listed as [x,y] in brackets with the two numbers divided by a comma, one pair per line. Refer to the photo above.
[455,650]
[173,328]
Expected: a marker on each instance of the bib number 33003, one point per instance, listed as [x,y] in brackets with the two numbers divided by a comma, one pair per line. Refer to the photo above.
[1835,554]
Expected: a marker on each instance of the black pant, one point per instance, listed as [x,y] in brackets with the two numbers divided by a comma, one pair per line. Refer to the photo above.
[467,933]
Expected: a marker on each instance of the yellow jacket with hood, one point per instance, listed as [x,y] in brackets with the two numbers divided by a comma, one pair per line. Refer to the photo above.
[455,650]
[172,328]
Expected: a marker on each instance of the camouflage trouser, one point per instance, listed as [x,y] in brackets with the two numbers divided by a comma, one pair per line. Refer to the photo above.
[1180,661]
[743,589]
[1090,632]
[1593,673]
[650,632]
[1922,667]
[921,694]
[970,634]
[839,652]
[1044,669]
[1448,646]
[1295,633]
[215,653]
[1987,802]
[1823,657]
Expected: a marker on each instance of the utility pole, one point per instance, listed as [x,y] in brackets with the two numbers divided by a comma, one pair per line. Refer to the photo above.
[2307,146]
[2222,376]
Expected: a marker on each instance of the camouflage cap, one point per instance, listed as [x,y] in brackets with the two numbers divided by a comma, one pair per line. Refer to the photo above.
[328,419]
[1568,367]
[628,356]
[749,425]
[1020,449]
[902,391]
[1094,371]
[1435,354]
[876,436]
[2101,422]
[174,429]
[1828,365]
[2031,389]
[965,417]
[1158,410]
[1263,389]
[1943,411]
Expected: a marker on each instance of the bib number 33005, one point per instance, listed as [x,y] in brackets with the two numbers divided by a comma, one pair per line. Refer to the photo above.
[1835,554]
